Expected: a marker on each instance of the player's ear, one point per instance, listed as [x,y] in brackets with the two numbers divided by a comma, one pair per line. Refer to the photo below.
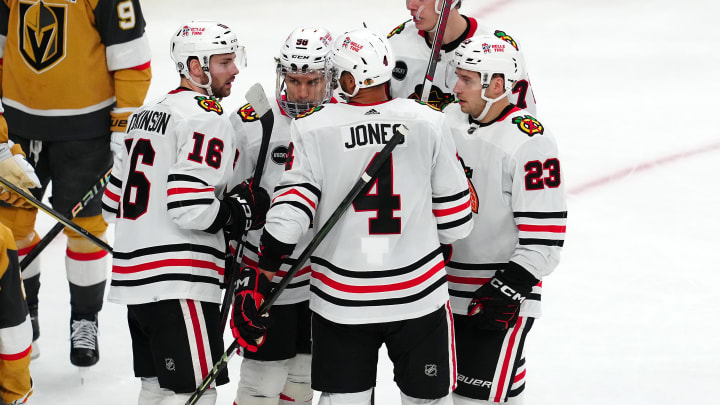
[347,82]
[195,68]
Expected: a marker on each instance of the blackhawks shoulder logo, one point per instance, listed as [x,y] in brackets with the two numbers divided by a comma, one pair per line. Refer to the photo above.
[310,111]
[474,202]
[507,38]
[436,108]
[247,113]
[529,125]
[398,29]
[209,104]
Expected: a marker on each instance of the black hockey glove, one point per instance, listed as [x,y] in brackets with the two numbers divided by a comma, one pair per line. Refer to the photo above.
[247,208]
[446,250]
[497,303]
[248,326]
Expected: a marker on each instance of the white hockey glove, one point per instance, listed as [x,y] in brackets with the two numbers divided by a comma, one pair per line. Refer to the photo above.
[18,171]
[117,144]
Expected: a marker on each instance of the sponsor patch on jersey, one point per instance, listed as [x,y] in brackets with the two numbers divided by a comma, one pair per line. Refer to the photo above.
[398,29]
[247,113]
[507,38]
[279,155]
[400,70]
[43,34]
[209,104]
[310,111]
[529,125]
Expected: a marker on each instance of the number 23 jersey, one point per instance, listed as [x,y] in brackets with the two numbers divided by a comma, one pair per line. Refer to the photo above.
[164,199]
[518,203]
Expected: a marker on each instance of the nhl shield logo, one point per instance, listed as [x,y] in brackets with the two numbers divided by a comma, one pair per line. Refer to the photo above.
[431,370]
[42,34]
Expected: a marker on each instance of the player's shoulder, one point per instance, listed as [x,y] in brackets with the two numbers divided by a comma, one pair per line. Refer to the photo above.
[402,30]
[191,103]
[522,130]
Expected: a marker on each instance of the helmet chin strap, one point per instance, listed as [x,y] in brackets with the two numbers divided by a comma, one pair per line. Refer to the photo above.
[207,86]
[489,103]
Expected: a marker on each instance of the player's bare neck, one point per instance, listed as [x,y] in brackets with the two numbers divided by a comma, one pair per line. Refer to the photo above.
[456,26]
[371,95]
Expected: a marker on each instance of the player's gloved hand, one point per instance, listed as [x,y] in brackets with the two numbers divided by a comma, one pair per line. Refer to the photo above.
[496,304]
[248,326]
[16,169]
[248,208]
[117,144]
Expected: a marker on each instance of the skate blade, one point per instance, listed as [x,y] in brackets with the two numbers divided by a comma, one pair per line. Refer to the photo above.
[84,374]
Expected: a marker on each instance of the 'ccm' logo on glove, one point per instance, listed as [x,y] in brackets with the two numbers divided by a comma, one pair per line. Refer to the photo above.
[507,290]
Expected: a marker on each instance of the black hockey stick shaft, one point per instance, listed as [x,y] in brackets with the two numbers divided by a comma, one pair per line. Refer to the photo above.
[97,188]
[56,215]
[367,177]
[257,98]
[435,50]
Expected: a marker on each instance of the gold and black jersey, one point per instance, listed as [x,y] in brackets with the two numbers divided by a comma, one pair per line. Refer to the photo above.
[72,69]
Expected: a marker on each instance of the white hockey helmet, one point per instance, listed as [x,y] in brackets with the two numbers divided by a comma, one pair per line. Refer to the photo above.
[364,54]
[202,39]
[303,52]
[487,55]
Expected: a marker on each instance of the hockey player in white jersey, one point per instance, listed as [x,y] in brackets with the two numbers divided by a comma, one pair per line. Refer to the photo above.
[518,201]
[279,372]
[167,198]
[412,43]
[379,276]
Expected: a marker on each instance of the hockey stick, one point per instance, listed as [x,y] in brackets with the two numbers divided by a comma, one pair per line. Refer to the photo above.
[56,215]
[435,50]
[55,230]
[257,98]
[366,178]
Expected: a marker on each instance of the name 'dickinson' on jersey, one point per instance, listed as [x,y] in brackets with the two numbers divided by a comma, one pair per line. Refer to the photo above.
[150,121]
[369,134]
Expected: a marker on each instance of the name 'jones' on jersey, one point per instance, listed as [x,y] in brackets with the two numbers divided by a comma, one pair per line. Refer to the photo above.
[369,134]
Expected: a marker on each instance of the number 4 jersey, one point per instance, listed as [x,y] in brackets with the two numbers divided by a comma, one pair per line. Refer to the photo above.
[381,262]
[518,202]
[163,198]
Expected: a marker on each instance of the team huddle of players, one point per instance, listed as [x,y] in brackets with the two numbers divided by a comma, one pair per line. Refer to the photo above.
[440,257]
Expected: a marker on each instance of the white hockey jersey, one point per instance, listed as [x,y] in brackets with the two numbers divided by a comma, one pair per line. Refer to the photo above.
[518,203]
[164,199]
[412,50]
[382,261]
[248,130]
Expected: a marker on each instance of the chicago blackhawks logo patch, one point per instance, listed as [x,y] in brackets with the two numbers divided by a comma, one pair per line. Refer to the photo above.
[427,104]
[247,113]
[507,38]
[42,34]
[398,29]
[529,125]
[310,111]
[474,202]
[209,104]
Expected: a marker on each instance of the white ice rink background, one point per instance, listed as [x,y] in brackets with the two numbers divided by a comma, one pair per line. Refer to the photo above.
[626,87]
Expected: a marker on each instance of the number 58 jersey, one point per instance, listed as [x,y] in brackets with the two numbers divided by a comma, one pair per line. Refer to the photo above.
[163,196]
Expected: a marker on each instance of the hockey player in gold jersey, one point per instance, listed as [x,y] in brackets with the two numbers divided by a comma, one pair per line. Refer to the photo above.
[15,329]
[71,74]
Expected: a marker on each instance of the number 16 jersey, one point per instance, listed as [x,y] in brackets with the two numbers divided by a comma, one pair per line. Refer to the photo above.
[164,199]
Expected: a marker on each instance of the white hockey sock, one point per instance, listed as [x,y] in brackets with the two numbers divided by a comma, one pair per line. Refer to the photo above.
[261,382]
[208,398]
[353,398]
[408,400]
[297,388]
[150,391]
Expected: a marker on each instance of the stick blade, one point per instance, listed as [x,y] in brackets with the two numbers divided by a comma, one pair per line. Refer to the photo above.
[257,98]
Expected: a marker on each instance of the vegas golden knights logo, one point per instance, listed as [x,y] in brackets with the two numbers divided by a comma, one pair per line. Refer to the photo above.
[42,34]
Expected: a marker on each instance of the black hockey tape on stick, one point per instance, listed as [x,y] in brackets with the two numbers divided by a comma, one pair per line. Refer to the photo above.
[367,177]
[56,215]
[97,188]
[435,50]
[257,98]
